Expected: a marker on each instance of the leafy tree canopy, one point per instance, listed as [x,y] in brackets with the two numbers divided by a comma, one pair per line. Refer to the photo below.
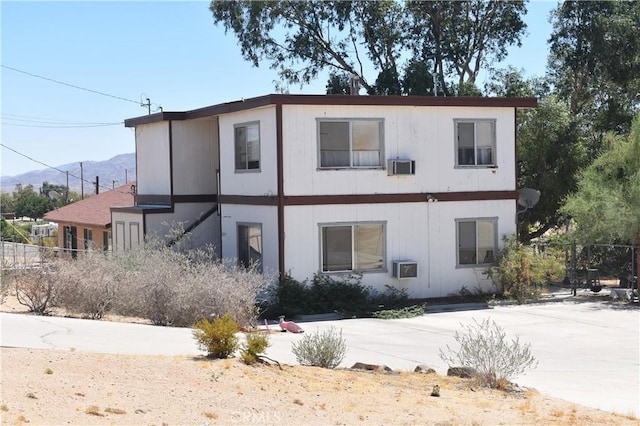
[606,205]
[594,65]
[448,43]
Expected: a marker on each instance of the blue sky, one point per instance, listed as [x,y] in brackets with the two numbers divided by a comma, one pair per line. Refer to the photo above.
[170,52]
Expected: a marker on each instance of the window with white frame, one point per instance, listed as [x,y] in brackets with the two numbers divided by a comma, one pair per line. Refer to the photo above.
[350,143]
[247,146]
[475,142]
[477,240]
[250,245]
[352,247]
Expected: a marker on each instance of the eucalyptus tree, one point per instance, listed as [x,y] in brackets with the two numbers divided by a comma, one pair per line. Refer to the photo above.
[391,47]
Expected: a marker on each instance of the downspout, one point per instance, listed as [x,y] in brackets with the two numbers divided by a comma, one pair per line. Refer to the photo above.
[280,177]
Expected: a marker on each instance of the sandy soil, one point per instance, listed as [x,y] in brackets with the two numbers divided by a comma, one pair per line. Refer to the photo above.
[49,387]
[62,387]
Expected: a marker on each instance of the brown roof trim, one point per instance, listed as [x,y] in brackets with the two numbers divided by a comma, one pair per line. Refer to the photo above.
[155,118]
[372,100]
[151,199]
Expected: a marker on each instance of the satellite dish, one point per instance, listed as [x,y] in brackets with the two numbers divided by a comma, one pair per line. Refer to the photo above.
[528,197]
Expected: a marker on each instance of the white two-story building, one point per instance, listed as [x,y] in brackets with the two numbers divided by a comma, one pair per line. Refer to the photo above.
[412,192]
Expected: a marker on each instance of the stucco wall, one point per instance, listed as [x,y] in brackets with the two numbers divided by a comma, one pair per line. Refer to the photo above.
[195,156]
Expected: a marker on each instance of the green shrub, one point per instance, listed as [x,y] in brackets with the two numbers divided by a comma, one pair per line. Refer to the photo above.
[255,344]
[520,272]
[217,337]
[485,348]
[325,349]
[408,312]
[344,294]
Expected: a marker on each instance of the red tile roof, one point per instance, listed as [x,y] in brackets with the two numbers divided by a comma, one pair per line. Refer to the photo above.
[95,210]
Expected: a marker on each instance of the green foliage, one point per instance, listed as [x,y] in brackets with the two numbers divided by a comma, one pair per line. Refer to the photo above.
[408,312]
[30,204]
[327,293]
[256,343]
[485,348]
[597,38]
[605,207]
[454,40]
[325,349]
[217,337]
[520,272]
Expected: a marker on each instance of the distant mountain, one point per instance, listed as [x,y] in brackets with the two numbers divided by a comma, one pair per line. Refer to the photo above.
[116,169]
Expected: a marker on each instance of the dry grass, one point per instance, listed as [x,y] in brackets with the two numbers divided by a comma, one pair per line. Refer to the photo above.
[179,390]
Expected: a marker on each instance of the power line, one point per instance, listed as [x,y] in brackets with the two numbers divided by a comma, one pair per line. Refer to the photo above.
[78,126]
[72,85]
[55,168]
[46,120]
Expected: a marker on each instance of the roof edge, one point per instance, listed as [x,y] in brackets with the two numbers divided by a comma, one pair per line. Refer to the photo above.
[364,100]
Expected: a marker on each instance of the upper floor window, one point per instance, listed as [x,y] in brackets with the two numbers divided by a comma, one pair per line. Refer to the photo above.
[477,241]
[352,247]
[475,142]
[247,146]
[350,143]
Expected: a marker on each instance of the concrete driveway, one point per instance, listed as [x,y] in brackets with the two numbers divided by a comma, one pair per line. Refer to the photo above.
[588,352]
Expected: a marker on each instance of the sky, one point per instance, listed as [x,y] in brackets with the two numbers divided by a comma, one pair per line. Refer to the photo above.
[169,52]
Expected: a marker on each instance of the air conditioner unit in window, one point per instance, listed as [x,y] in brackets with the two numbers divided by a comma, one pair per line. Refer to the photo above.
[401,167]
[403,269]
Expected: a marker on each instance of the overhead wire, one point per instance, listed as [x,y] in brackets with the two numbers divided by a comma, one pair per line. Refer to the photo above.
[57,169]
[69,85]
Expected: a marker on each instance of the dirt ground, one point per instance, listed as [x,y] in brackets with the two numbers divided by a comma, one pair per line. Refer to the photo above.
[49,387]
[53,387]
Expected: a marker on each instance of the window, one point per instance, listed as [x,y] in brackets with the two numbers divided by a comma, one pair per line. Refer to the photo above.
[106,240]
[475,142]
[250,245]
[350,143]
[477,241]
[352,247]
[247,146]
[88,238]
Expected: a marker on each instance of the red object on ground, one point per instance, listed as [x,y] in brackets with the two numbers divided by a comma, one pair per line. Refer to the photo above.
[290,326]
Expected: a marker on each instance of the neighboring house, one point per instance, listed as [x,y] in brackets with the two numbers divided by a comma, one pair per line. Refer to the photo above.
[413,192]
[86,224]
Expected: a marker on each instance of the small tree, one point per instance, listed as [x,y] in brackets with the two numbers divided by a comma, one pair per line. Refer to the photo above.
[520,273]
[485,348]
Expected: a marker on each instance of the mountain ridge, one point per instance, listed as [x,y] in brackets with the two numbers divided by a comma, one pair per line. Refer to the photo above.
[115,171]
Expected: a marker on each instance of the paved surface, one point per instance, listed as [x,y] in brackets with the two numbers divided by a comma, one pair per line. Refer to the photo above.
[588,353]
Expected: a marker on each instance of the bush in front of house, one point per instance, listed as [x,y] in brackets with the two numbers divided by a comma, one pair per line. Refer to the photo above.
[344,294]
[485,350]
[326,349]
[520,272]
[162,284]
[217,337]
[37,288]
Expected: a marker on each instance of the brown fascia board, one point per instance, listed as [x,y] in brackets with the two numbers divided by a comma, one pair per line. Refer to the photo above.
[373,100]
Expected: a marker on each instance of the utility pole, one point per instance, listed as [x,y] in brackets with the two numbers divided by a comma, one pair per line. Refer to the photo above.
[66,195]
[81,182]
[113,184]
[126,177]
[97,183]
